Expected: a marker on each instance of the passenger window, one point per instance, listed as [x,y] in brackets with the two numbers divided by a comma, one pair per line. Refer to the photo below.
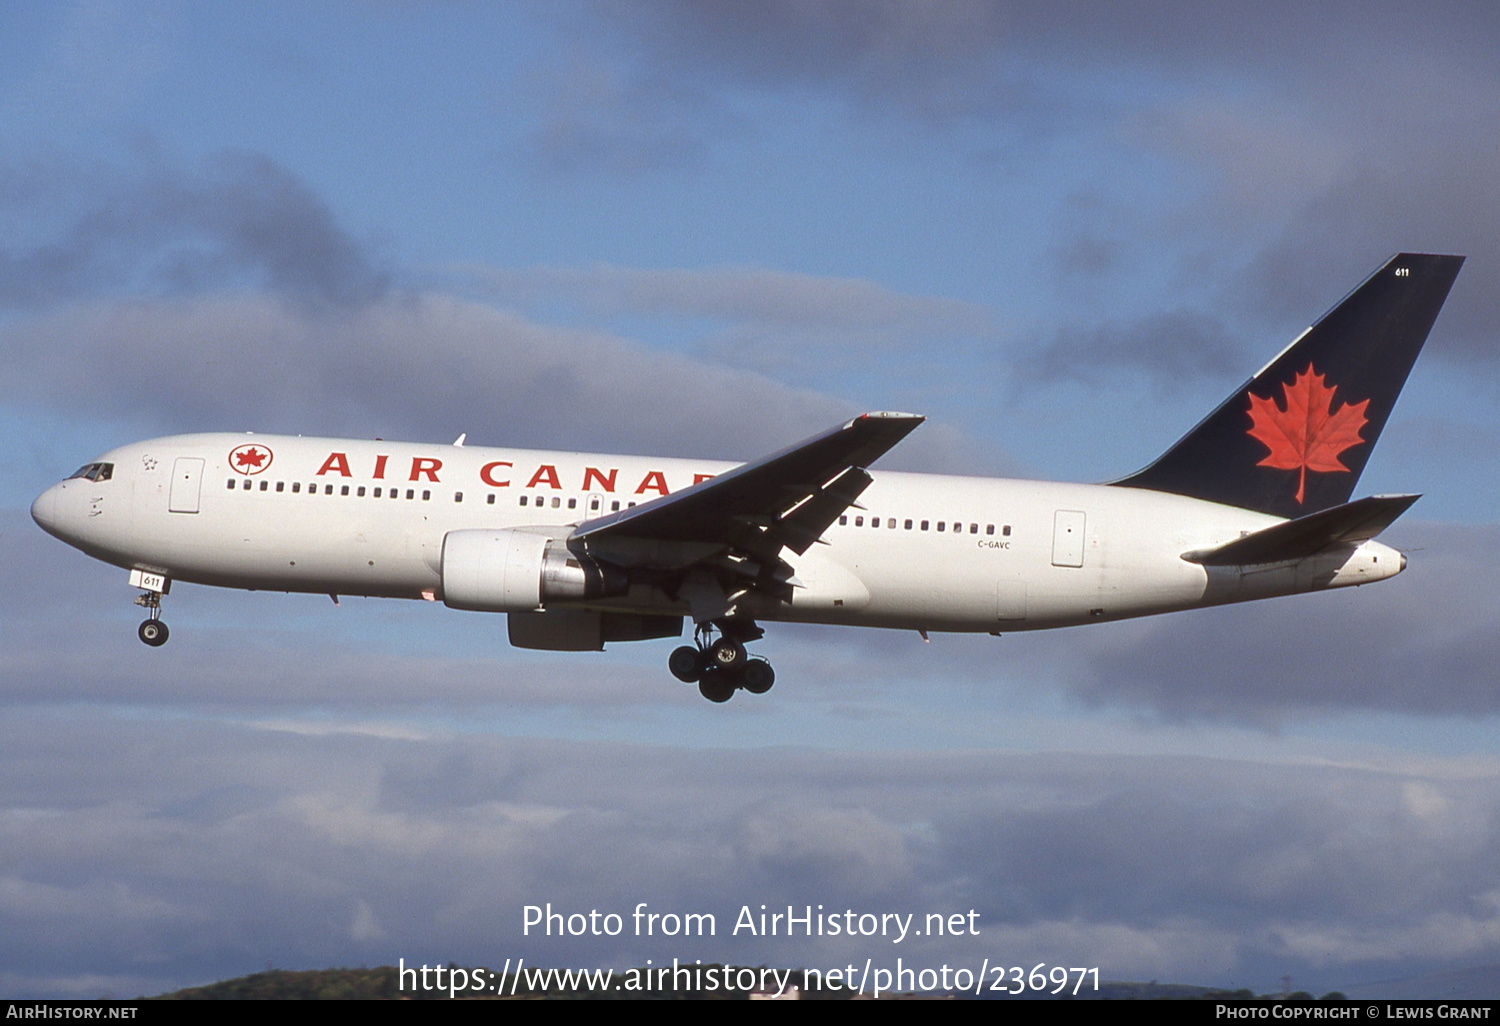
[556,502]
[973,528]
[248,483]
[1005,530]
[264,485]
[924,526]
[231,481]
[360,491]
[572,503]
[859,521]
[843,521]
[458,496]
[377,493]
[614,507]
[523,500]
[296,486]
[281,486]
[908,525]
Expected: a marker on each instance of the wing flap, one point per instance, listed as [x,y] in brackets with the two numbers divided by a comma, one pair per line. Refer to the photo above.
[804,524]
[1349,524]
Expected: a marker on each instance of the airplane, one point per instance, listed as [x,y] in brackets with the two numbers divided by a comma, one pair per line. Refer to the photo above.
[584,550]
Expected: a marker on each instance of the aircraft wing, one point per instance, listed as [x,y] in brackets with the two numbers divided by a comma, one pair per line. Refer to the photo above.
[785,500]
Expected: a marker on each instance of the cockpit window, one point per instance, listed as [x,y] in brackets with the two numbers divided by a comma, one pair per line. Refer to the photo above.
[95,471]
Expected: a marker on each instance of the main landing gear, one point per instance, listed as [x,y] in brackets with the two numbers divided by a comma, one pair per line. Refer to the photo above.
[721,666]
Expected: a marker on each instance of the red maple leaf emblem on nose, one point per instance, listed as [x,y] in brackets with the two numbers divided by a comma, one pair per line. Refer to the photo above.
[1307,433]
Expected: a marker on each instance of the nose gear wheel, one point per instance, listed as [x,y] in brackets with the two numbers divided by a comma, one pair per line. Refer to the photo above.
[153,630]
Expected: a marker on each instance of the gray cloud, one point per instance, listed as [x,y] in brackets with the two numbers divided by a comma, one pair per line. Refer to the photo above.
[741,294]
[1440,195]
[1302,144]
[1422,644]
[327,346]
[414,366]
[420,366]
[240,219]
[960,49]
[812,330]
[937,61]
[212,848]
[1174,346]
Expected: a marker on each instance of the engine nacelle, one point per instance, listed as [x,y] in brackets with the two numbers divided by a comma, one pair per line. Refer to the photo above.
[520,570]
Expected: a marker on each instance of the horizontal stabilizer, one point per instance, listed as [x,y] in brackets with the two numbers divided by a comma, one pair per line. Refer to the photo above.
[1349,524]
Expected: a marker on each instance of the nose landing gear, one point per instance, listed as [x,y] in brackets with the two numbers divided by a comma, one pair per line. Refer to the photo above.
[153,631]
[721,666]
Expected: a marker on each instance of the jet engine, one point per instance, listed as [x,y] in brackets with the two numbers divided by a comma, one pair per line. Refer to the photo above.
[520,570]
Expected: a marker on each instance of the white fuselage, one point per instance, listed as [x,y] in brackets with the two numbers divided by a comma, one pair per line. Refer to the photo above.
[949,553]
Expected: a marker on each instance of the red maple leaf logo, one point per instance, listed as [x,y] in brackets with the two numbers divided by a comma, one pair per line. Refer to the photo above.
[250,459]
[1307,433]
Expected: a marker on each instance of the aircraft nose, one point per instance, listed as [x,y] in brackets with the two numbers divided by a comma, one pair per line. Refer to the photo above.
[44,510]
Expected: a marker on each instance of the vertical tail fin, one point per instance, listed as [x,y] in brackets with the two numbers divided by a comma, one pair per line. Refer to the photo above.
[1294,438]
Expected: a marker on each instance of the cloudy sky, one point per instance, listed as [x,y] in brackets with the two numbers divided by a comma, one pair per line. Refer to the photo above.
[1062,231]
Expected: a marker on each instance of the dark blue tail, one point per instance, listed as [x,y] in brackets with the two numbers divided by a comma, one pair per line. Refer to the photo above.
[1294,438]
